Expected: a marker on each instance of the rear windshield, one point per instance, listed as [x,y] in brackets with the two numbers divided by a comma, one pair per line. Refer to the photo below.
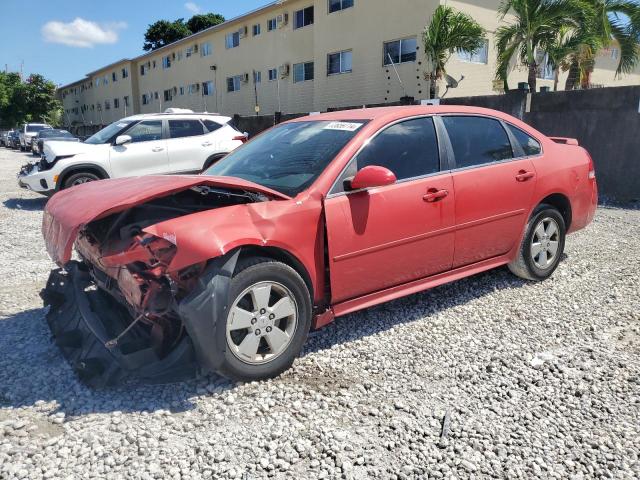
[289,157]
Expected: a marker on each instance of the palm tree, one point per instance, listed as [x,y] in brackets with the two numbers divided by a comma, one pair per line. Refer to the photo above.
[612,22]
[449,31]
[536,26]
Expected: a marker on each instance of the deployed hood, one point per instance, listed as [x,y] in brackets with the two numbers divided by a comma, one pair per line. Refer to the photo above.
[57,148]
[69,210]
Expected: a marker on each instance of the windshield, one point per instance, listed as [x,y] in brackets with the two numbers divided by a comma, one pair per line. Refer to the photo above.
[289,157]
[104,135]
[36,128]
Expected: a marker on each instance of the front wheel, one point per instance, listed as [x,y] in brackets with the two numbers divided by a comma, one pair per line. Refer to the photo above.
[542,245]
[80,178]
[268,320]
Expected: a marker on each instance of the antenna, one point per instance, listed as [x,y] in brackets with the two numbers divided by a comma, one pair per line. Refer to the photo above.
[404,92]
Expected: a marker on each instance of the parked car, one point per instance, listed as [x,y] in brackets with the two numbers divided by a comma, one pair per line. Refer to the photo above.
[316,218]
[13,139]
[4,138]
[28,131]
[164,143]
[48,135]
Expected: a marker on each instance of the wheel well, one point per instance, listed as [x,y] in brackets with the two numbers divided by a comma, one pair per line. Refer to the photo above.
[80,169]
[281,256]
[562,203]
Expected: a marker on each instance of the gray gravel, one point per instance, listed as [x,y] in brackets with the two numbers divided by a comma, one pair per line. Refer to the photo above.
[535,380]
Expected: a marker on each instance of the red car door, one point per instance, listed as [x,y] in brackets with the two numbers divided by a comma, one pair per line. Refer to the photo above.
[493,189]
[391,235]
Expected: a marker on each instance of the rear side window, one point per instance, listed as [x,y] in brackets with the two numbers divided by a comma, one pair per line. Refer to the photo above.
[409,149]
[211,125]
[477,140]
[146,131]
[530,145]
[185,128]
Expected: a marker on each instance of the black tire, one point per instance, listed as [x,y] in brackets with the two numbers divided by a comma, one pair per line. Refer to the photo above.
[249,272]
[525,264]
[79,178]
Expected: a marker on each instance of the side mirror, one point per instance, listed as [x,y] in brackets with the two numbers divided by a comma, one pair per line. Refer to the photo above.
[370,177]
[123,139]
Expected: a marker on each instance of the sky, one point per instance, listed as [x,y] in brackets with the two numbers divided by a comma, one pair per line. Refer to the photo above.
[66,39]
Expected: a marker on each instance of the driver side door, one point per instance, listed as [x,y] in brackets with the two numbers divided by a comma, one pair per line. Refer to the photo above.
[387,236]
[146,154]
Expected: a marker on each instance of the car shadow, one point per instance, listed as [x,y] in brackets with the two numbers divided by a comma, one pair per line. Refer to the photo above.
[32,369]
[31,204]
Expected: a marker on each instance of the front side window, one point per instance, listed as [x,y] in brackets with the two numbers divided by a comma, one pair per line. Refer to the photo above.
[185,128]
[477,140]
[146,131]
[108,132]
[400,51]
[479,56]
[232,40]
[409,149]
[289,157]
[303,72]
[303,17]
[233,83]
[337,5]
[529,145]
[205,50]
[339,62]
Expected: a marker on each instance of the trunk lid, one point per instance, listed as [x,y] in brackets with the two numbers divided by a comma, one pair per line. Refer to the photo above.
[69,210]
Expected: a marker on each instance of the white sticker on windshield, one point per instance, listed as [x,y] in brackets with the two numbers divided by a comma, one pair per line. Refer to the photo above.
[121,125]
[344,126]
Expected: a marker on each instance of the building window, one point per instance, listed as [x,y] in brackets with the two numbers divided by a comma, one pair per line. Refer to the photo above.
[193,88]
[206,50]
[302,72]
[479,56]
[256,30]
[125,72]
[97,82]
[116,103]
[181,90]
[188,52]
[166,62]
[126,101]
[142,70]
[544,69]
[272,24]
[107,105]
[114,77]
[400,51]
[339,62]
[168,95]
[303,18]
[337,5]
[233,83]
[207,89]
[105,80]
[232,40]
[273,74]
[155,95]
[153,64]
[257,77]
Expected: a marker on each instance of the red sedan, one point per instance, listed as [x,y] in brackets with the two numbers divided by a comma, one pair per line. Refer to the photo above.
[316,218]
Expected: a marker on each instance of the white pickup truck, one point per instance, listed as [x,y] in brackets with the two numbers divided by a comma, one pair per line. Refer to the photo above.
[27,132]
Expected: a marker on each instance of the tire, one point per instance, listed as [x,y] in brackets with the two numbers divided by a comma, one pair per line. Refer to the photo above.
[546,234]
[257,273]
[79,178]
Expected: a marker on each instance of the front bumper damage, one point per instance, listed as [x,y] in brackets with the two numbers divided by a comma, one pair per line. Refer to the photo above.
[84,320]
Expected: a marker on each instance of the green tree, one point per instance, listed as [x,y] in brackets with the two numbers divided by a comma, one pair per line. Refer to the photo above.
[613,22]
[203,21]
[164,32]
[535,27]
[448,31]
[31,100]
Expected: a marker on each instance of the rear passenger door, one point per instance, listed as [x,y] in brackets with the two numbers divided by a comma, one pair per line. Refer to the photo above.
[188,146]
[391,235]
[493,183]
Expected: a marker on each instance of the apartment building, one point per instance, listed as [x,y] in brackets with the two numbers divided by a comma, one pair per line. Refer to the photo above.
[298,56]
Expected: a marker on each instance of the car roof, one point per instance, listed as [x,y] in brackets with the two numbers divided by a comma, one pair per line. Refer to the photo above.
[214,116]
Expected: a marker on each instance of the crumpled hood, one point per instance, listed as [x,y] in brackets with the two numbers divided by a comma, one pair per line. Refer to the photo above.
[69,210]
[58,148]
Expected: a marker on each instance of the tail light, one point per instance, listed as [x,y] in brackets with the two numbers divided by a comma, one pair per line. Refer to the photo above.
[592,169]
[243,138]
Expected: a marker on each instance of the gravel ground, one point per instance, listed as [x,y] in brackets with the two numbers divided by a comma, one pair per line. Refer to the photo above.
[486,377]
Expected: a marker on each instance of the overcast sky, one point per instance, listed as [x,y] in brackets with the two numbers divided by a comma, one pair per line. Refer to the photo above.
[65,39]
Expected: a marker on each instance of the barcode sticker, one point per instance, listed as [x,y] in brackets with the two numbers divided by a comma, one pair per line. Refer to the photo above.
[344,126]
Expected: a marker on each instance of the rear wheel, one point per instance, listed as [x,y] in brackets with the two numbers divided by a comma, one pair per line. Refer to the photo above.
[542,245]
[268,320]
[79,178]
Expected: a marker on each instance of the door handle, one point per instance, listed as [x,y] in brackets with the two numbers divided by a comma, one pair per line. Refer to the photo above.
[157,149]
[523,176]
[207,144]
[433,195]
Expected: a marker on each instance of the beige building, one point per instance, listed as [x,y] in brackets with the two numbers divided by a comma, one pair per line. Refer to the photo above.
[297,56]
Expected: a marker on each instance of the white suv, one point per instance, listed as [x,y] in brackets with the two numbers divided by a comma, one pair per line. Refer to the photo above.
[163,143]
[27,132]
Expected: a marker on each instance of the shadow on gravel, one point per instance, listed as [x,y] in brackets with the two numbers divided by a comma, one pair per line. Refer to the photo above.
[32,369]
[30,204]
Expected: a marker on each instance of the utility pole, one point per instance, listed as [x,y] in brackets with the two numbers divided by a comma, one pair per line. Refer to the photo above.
[255,91]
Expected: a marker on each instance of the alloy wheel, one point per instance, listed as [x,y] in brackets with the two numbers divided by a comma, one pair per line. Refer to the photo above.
[545,242]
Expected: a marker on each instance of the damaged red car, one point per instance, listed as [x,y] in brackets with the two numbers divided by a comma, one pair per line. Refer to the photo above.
[316,218]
